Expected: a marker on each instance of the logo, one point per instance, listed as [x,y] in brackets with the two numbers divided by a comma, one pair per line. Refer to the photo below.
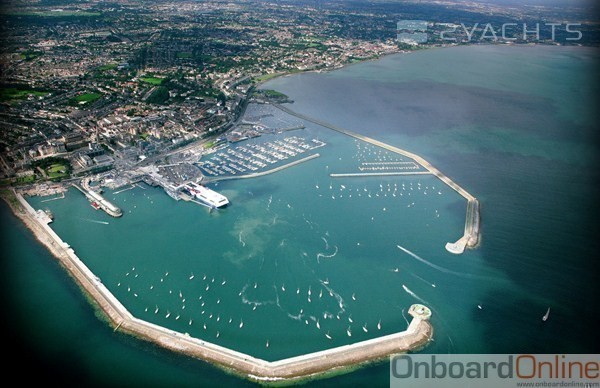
[494,370]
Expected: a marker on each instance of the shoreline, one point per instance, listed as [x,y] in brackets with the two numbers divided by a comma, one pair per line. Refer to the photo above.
[291,370]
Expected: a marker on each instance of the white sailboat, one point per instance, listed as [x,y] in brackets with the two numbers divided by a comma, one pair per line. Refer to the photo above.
[545,317]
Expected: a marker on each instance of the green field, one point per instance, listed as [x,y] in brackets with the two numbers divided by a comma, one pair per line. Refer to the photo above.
[152,80]
[85,98]
[109,66]
[273,93]
[7,94]
[57,171]
[266,77]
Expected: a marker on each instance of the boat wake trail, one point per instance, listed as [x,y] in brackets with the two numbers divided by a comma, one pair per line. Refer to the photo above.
[95,221]
[241,241]
[326,243]
[417,297]
[337,297]
[320,254]
[423,280]
[434,266]
[256,303]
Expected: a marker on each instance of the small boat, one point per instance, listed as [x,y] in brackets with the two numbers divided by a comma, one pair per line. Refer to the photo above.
[545,317]
[168,314]
[396,269]
[327,335]
[353,297]
[204,326]
[318,325]
[379,325]
[177,317]
[350,319]
[283,288]
[326,281]
[348,332]
[156,310]
[190,322]
[191,276]
[218,334]
[365,328]
[267,345]
[241,324]
[480,307]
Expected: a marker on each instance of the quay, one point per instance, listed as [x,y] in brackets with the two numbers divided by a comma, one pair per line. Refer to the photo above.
[470,237]
[418,334]
[102,202]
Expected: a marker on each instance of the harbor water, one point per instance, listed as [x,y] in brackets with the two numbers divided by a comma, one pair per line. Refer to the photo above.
[301,261]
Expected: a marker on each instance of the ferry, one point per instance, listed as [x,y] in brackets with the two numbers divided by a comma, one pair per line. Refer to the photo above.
[208,196]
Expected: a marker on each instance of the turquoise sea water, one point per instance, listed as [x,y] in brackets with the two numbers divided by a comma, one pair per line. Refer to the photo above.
[512,125]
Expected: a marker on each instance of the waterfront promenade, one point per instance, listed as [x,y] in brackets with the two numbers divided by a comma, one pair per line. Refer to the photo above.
[470,237]
[417,335]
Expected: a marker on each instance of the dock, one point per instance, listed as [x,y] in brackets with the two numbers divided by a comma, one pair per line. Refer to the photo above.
[102,202]
[470,237]
[418,334]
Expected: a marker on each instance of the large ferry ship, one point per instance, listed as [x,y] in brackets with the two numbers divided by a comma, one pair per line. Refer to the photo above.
[206,195]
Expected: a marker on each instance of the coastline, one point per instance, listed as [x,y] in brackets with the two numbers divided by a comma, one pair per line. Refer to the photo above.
[283,372]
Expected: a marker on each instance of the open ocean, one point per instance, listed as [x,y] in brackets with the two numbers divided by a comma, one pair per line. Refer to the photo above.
[299,254]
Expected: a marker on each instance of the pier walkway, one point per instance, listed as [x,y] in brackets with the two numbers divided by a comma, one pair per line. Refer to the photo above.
[102,202]
[470,237]
[417,335]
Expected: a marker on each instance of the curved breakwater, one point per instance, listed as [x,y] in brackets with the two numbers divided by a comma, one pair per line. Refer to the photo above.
[417,335]
[470,237]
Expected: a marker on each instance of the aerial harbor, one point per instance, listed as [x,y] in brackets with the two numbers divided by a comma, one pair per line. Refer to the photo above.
[232,193]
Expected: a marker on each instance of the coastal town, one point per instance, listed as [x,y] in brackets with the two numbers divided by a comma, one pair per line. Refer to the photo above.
[98,87]
[100,98]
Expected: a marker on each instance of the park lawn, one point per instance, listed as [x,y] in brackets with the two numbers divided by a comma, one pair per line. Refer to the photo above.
[7,94]
[85,98]
[109,66]
[152,80]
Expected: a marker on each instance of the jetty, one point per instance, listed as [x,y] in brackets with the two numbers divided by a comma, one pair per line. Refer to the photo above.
[99,201]
[417,335]
[262,173]
[470,237]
